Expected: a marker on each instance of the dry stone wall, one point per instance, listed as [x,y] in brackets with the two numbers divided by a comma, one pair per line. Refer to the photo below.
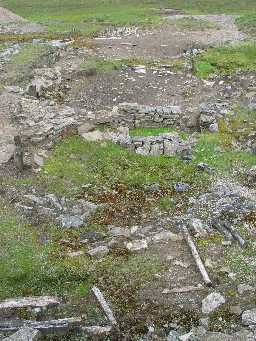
[134,115]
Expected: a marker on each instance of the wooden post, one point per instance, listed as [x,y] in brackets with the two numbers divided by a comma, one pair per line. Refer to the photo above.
[196,257]
[18,153]
[105,306]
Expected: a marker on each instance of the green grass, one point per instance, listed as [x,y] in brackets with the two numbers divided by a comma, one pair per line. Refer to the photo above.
[155,132]
[94,64]
[29,268]
[247,23]
[149,131]
[21,65]
[75,162]
[226,60]
[193,24]
[87,15]
[108,164]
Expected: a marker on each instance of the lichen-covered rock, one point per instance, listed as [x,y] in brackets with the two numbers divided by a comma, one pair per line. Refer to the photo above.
[249,317]
[212,302]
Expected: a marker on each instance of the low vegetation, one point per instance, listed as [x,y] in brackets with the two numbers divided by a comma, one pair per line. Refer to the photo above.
[226,60]
[21,64]
[88,16]
[247,23]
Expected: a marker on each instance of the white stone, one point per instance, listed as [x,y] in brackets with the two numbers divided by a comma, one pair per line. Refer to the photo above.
[165,236]
[249,317]
[212,302]
[99,251]
[242,288]
[137,245]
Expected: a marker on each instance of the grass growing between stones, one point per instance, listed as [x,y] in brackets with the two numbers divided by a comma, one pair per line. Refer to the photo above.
[226,60]
[247,23]
[28,267]
[21,65]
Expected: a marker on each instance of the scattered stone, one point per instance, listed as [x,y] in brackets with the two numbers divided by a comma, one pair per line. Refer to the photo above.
[39,157]
[94,136]
[85,128]
[116,231]
[242,288]
[68,221]
[24,334]
[137,245]
[201,229]
[236,310]
[204,167]
[99,251]
[181,264]
[165,236]
[181,187]
[173,336]
[76,254]
[204,322]
[249,317]
[212,302]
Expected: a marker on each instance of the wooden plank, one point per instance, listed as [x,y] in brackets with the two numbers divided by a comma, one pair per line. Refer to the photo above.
[104,304]
[196,257]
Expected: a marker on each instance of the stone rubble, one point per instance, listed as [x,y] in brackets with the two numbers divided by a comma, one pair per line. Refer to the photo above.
[64,212]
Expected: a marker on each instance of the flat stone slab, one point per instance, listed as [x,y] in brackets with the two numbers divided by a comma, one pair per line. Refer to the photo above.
[29,302]
[25,334]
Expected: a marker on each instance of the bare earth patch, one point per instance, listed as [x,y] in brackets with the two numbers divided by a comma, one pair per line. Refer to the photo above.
[169,41]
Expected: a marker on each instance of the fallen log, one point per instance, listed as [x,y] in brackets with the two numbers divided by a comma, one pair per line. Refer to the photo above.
[183,289]
[45,327]
[105,306]
[196,257]
[28,302]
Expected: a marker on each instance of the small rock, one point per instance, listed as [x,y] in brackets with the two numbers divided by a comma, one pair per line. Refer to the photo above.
[242,288]
[181,187]
[69,221]
[204,322]
[181,264]
[137,245]
[85,128]
[173,336]
[93,136]
[236,310]
[249,317]
[212,302]
[75,254]
[99,251]
[204,167]
[226,242]
[116,231]
[166,235]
